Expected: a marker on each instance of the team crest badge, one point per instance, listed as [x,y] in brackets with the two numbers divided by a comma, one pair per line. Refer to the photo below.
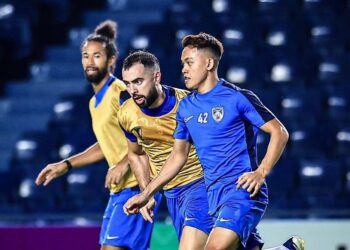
[217,113]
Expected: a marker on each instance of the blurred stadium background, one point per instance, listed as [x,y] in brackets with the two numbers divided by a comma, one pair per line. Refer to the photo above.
[293,53]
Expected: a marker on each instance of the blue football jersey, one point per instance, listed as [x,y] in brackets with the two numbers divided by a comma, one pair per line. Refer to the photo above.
[223,125]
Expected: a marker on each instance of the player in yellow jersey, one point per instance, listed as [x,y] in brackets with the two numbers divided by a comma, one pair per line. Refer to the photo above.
[149,121]
[118,231]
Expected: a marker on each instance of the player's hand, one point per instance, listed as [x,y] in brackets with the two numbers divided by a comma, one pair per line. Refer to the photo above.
[147,210]
[115,174]
[50,172]
[135,203]
[251,181]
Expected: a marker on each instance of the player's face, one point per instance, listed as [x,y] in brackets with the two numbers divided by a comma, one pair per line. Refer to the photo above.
[141,84]
[194,67]
[95,62]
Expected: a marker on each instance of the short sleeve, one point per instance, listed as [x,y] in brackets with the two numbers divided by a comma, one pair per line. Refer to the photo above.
[252,109]
[129,135]
[122,124]
[181,132]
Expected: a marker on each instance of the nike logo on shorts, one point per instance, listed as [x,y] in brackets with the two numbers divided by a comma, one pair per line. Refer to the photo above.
[224,220]
[111,237]
[187,219]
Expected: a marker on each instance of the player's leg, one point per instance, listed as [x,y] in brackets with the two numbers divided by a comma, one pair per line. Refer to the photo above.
[126,232]
[222,239]
[105,222]
[105,247]
[235,225]
[188,208]
[196,222]
[192,239]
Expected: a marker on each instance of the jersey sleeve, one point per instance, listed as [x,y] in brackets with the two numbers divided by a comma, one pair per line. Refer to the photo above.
[252,109]
[128,135]
[124,95]
[122,123]
[181,132]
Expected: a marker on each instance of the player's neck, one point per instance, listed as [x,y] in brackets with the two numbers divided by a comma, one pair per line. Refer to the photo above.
[208,84]
[160,99]
[99,85]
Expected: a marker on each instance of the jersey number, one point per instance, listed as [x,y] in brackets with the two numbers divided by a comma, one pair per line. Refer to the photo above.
[203,117]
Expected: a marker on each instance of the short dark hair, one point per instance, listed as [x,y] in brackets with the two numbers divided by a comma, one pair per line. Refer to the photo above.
[204,41]
[105,33]
[147,59]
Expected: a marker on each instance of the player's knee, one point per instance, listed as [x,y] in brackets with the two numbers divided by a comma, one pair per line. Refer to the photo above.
[191,247]
[218,246]
[192,244]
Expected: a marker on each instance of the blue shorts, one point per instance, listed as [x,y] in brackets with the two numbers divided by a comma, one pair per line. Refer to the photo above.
[242,217]
[120,230]
[188,206]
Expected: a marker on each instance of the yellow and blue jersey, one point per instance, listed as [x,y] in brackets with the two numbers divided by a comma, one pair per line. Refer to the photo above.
[104,106]
[153,129]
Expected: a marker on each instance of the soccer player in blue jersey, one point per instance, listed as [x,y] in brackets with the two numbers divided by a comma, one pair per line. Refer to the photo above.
[222,121]
[118,231]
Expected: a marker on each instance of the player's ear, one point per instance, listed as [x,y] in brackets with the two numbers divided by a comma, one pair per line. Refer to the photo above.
[210,63]
[157,76]
[111,61]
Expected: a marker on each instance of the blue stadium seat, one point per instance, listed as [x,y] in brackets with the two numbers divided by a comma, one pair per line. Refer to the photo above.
[156,44]
[171,70]
[315,6]
[8,184]
[319,177]
[67,54]
[338,103]
[241,5]
[74,107]
[325,33]
[302,138]
[32,151]
[237,33]
[282,179]
[302,104]
[333,69]
[277,7]
[36,199]
[278,35]
[82,192]
[347,176]
[270,97]
[343,141]
[70,123]
[241,70]
[287,207]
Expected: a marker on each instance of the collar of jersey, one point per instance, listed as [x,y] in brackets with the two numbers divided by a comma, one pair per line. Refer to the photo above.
[101,93]
[165,108]
[221,81]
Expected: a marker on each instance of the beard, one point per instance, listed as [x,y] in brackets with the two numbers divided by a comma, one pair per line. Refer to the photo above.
[149,99]
[96,78]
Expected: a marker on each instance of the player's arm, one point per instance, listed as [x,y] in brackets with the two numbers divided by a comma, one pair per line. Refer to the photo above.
[54,170]
[116,172]
[171,168]
[139,164]
[278,140]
